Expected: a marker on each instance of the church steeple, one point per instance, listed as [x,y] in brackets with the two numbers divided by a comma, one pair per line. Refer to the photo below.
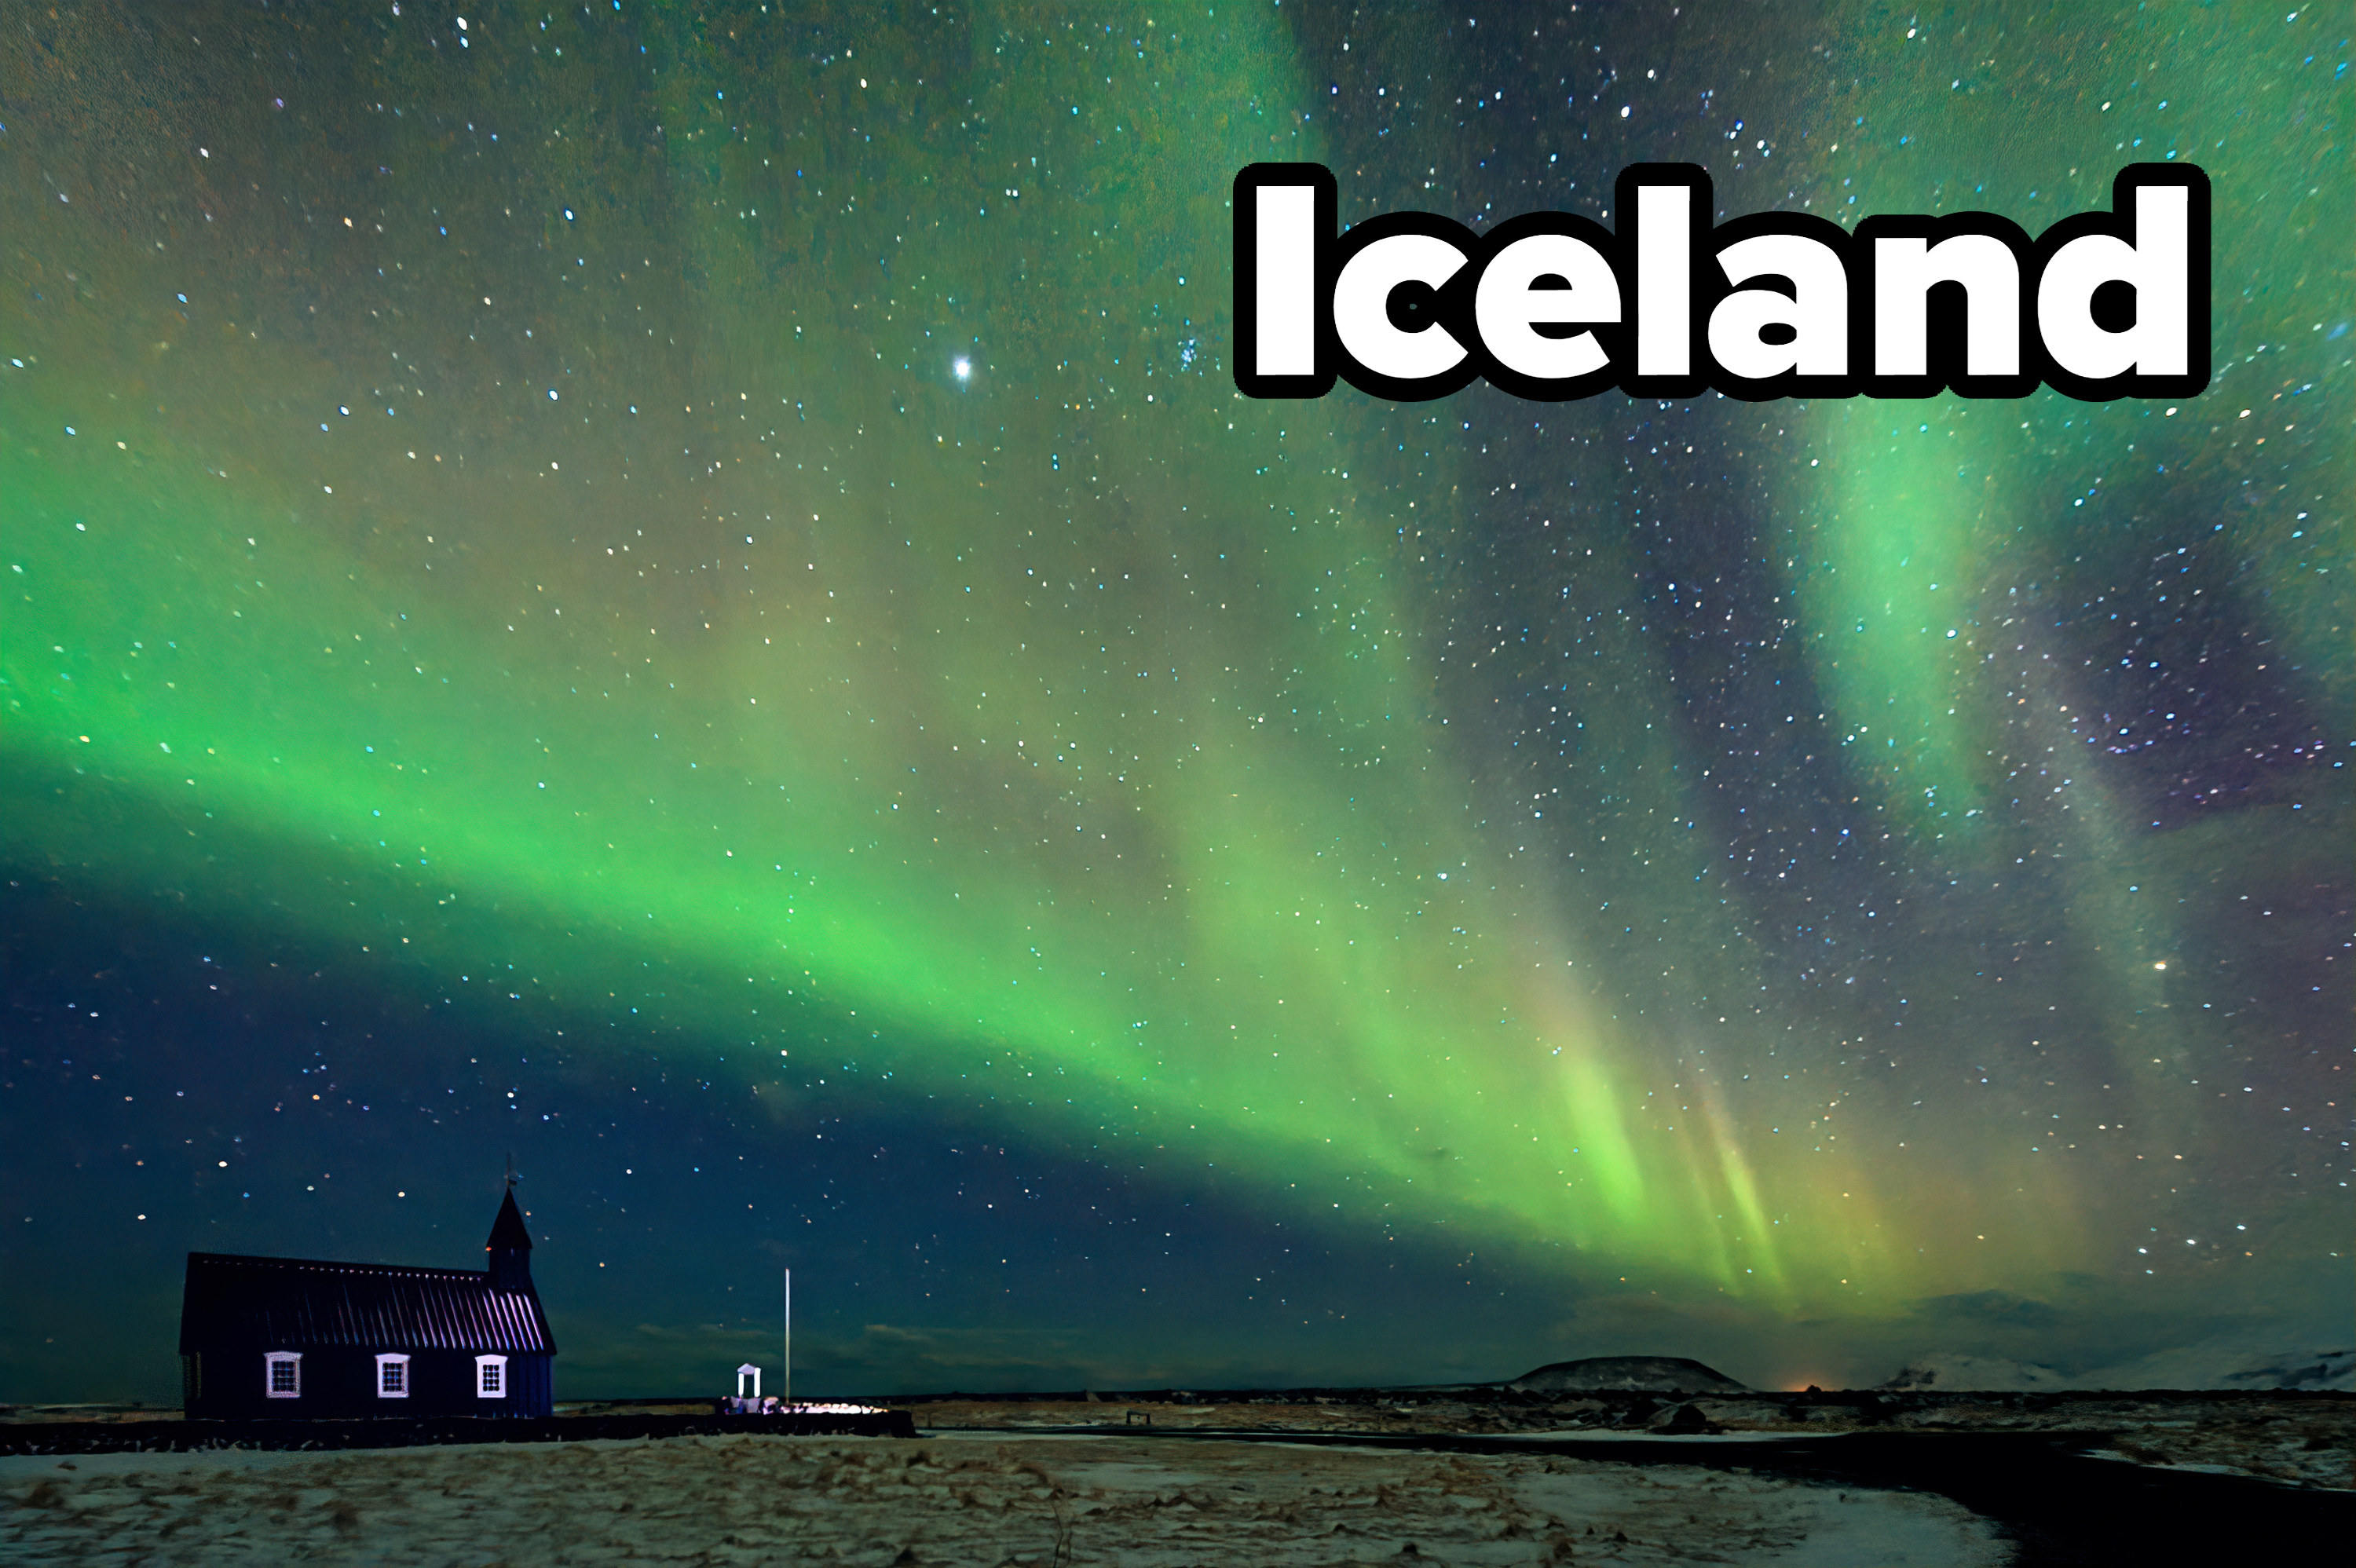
[510,1243]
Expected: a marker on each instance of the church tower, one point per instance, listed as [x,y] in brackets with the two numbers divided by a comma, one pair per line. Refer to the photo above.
[509,1248]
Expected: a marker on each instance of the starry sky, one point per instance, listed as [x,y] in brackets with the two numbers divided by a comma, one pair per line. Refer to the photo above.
[685,593]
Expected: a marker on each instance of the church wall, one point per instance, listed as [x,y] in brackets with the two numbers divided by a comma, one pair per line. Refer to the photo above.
[340,1382]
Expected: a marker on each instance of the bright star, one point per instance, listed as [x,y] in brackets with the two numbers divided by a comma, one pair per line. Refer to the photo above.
[964,368]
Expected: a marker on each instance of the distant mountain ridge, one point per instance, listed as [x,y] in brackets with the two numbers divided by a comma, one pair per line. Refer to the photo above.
[2193,1367]
[2211,1365]
[1651,1374]
[1948,1371]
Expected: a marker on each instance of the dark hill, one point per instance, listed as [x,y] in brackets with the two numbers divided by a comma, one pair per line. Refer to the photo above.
[1654,1374]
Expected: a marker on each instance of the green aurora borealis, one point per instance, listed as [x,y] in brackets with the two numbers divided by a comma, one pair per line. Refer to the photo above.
[1757,872]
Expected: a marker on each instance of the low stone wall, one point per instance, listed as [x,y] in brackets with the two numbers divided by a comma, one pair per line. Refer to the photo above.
[187,1436]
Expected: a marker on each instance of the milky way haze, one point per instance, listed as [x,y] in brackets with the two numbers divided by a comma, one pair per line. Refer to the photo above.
[688,593]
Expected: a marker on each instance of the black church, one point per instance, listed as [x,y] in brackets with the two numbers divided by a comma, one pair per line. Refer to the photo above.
[266,1338]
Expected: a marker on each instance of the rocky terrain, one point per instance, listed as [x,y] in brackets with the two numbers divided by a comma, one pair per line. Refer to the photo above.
[965,1499]
[1164,1478]
[2299,1439]
[2296,1439]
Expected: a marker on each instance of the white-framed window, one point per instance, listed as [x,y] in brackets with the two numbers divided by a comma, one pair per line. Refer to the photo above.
[491,1377]
[392,1376]
[283,1374]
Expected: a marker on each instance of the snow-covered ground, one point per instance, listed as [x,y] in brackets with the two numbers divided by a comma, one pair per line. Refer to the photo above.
[974,1498]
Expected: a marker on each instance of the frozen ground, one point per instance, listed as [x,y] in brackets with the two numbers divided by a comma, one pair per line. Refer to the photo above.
[976,1499]
[2301,1440]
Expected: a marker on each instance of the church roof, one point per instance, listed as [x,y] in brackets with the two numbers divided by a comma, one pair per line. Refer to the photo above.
[291,1304]
[508,1230]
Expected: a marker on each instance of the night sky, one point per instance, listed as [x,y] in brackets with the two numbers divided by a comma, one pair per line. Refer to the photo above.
[686,593]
